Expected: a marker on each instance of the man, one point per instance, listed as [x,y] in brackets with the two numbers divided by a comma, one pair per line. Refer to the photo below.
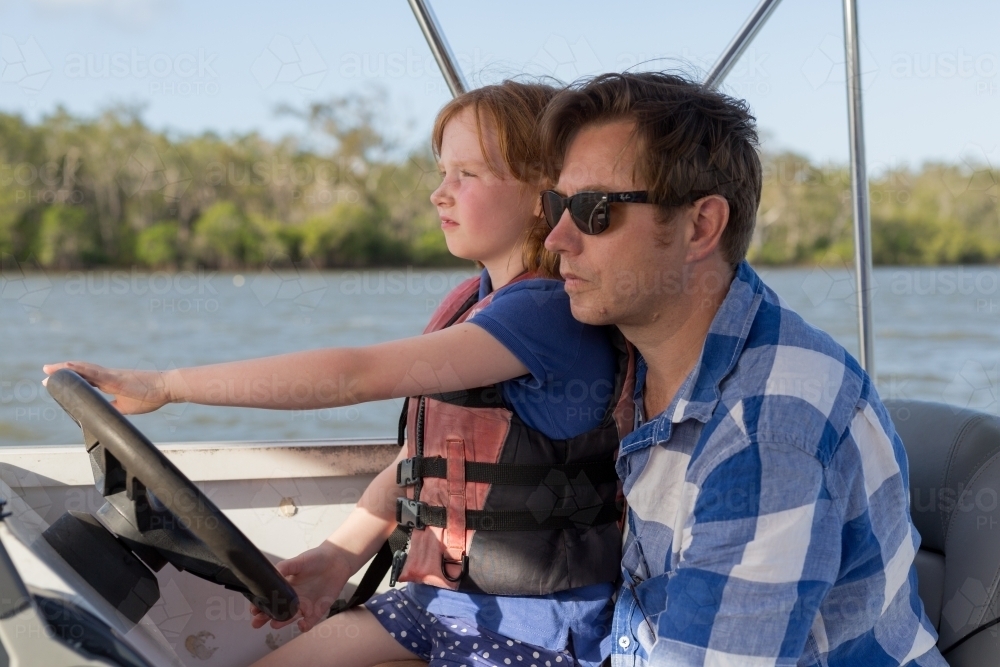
[768,519]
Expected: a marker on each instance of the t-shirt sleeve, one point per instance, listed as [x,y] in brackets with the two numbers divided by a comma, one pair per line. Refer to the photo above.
[533,320]
[571,366]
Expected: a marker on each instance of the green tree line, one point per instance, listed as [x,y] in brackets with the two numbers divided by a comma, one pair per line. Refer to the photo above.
[80,192]
[935,214]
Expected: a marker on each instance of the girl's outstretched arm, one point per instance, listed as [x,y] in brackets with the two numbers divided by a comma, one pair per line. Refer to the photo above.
[459,357]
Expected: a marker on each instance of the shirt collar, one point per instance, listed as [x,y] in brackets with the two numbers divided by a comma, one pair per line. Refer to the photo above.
[724,343]
[485,284]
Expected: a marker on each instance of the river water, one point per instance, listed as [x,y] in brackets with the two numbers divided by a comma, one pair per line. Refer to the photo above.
[937,336]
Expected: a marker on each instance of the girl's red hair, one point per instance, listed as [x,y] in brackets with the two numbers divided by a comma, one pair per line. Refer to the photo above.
[514,109]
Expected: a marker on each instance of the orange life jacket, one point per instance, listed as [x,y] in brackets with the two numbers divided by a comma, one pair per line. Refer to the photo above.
[495,506]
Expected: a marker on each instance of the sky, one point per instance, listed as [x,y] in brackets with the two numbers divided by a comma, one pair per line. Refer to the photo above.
[932,84]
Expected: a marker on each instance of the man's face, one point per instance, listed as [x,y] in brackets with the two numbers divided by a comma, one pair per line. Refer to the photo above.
[622,275]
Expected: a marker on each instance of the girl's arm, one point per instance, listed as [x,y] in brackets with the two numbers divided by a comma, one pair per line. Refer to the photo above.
[319,574]
[459,357]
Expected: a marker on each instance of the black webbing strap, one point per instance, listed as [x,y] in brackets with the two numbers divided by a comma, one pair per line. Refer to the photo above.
[410,470]
[401,433]
[421,515]
[374,574]
[472,300]
[478,397]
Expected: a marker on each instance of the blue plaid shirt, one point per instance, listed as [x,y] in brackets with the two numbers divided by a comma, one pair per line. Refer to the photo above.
[768,518]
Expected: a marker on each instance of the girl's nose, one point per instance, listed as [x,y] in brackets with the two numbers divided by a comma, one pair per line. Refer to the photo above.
[442,193]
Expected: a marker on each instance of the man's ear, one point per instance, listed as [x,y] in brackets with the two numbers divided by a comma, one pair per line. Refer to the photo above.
[709,217]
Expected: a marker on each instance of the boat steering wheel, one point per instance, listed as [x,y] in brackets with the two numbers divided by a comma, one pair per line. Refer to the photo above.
[158,512]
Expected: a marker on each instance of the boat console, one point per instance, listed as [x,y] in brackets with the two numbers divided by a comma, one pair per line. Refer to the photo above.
[120,574]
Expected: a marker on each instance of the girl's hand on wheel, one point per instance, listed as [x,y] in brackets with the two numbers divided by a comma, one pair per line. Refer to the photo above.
[135,391]
[317,575]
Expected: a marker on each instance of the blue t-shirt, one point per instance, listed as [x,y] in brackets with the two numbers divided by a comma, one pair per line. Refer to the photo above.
[567,392]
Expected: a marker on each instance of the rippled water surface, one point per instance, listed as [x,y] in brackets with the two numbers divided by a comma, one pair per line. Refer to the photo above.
[937,336]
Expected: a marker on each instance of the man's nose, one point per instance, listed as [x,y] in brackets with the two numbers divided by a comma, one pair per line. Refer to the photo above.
[564,238]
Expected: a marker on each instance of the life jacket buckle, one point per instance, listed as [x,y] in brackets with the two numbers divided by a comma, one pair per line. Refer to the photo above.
[406,471]
[408,513]
[398,561]
[464,563]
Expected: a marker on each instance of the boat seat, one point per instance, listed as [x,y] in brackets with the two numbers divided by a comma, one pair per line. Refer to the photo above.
[954,465]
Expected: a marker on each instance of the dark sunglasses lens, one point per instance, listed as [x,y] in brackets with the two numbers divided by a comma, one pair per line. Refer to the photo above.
[589,212]
[552,207]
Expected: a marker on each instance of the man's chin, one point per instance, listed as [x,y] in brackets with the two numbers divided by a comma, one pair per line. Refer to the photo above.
[584,310]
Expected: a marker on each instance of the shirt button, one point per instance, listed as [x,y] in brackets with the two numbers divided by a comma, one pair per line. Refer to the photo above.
[624,641]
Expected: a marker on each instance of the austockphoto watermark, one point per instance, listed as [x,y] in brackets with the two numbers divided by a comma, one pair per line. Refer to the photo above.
[877,195]
[960,280]
[748,77]
[947,65]
[237,608]
[671,282]
[39,413]
[274,390]
[295,173]
[175,74]
[27,401]
[394,282]
[86,499]
[583,401]
[45,183]
[183,305]
[174,292]
[60,196]
[959,499]
[408,64]
[987,306]
[343,414]
[137,282]
[67,630]
[988,88]
[889,178]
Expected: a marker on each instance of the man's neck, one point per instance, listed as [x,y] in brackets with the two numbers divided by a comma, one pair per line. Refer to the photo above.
[672,340]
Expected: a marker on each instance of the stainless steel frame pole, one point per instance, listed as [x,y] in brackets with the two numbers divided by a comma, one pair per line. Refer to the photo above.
[859,188]
[740,42]
[439,46]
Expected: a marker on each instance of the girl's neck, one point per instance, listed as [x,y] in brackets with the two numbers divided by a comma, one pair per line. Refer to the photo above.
[505,269]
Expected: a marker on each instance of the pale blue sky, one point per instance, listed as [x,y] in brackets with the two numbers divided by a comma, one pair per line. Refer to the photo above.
[933,90]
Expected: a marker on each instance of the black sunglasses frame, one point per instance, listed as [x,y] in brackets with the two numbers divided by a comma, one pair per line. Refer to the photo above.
[589,209]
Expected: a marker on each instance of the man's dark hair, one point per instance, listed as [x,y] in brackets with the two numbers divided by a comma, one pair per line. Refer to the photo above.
[692,141]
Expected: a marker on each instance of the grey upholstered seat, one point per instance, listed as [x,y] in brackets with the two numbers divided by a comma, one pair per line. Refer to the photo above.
[954,459]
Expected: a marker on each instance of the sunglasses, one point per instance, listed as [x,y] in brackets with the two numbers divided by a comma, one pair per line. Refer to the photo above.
[590,211]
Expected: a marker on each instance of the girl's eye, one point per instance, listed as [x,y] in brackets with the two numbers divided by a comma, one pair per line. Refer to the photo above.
[467,173]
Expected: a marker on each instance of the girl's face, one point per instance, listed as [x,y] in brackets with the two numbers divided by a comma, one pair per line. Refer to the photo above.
[483,215]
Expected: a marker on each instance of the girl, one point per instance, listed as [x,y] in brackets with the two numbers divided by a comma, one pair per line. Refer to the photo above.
[505,490]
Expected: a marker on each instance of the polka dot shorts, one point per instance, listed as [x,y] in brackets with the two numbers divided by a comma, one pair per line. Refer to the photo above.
[444,641]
